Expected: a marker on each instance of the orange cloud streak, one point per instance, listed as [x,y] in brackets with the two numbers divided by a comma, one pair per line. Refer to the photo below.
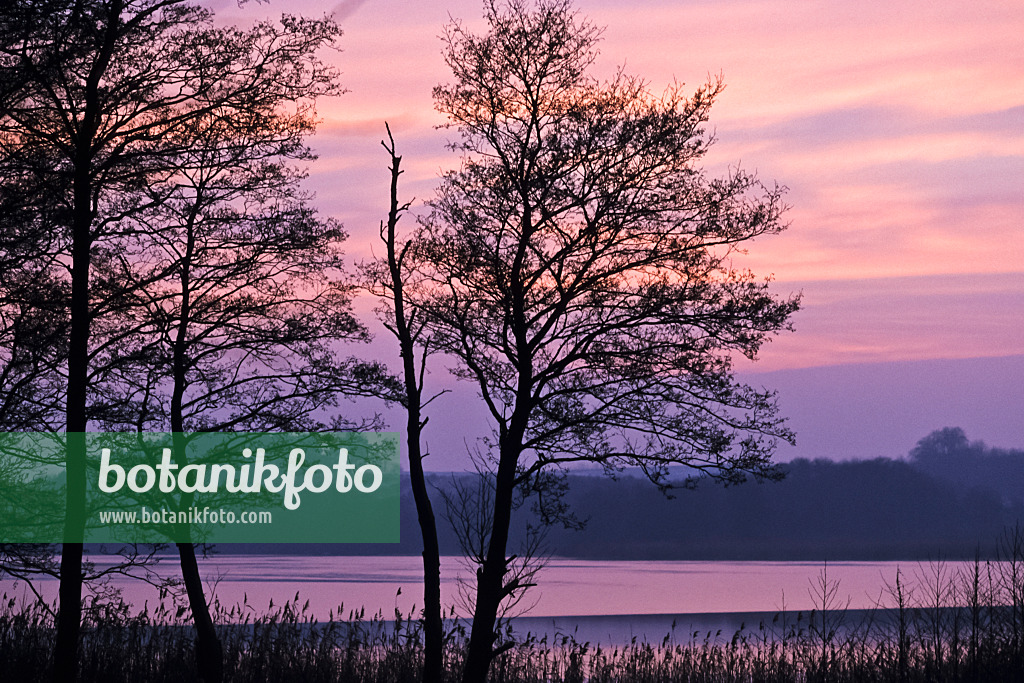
[898,127]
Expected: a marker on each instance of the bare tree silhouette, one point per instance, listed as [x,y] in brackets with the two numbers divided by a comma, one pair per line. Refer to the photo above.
[579,267]
[108,108]
[388,278]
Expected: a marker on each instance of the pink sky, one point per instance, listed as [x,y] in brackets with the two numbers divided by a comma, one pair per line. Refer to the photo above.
[898,127]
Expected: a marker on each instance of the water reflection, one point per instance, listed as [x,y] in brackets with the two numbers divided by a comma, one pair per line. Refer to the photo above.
[567,587]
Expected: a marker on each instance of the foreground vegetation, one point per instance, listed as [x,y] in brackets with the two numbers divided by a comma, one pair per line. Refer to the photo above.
[955,624]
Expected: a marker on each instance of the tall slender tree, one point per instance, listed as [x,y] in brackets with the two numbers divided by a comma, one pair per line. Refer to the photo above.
[389,279]
[100,102]
[580,269]
[241,294]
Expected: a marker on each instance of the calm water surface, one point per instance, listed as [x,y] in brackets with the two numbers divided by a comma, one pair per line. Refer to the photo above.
[566,587]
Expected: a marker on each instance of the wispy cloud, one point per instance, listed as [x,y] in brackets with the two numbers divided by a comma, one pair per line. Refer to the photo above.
[343,10]
[898,127]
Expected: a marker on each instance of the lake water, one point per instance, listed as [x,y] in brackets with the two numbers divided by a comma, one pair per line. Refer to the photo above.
[610,601]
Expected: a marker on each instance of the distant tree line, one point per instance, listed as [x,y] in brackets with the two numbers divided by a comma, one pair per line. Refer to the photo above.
[947,454]
[950,498]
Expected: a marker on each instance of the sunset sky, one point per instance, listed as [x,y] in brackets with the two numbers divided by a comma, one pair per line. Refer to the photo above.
[897,127]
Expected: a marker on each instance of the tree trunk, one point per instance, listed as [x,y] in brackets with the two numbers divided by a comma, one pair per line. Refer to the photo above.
[69,618]
[433,631]
[433,627]
[491,578]
[490,588]
[209,652]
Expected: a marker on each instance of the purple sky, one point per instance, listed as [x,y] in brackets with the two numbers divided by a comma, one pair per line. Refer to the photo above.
[898,128]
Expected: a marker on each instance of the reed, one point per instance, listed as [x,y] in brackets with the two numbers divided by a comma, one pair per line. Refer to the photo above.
[954,626]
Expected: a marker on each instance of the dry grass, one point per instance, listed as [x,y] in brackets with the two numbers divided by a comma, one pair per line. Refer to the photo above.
[956,626]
